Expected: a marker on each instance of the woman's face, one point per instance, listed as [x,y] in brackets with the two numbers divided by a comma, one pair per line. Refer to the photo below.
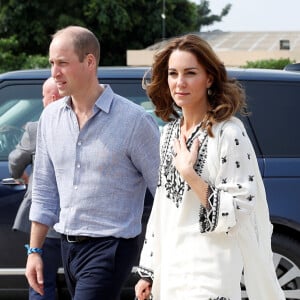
[188,80]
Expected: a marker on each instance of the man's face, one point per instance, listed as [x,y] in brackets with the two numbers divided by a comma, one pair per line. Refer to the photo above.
[69,73]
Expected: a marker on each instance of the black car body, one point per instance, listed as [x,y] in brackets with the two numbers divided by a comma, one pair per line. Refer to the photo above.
[272,124]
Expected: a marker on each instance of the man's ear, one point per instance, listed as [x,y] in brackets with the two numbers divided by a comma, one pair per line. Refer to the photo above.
[91,59]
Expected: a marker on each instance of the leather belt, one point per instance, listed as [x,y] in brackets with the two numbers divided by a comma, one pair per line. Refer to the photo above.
[76,238]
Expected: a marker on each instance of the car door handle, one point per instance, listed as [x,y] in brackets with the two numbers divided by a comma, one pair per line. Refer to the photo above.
[15,184]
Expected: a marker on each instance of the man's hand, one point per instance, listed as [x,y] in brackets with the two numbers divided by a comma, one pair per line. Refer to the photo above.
[34,272]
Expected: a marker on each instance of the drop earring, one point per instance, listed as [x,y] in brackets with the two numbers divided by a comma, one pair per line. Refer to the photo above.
[209,92]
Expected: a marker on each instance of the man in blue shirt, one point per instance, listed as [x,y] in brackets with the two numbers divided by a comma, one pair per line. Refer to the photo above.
[96,154]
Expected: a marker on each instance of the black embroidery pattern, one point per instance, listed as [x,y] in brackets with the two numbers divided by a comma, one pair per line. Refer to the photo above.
[238,164]
[145,273]
[208,217]
[164,150]
[175,185]
[202,156]
[219,298]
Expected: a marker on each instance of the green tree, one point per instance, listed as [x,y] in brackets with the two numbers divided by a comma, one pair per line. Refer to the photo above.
[205,17]
[119,24]
[33,21]
[9,59]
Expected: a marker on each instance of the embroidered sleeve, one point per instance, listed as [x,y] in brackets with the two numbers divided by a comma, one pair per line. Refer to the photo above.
[145,269]
[208,216]
[146,265]
[145,274]
[235,190]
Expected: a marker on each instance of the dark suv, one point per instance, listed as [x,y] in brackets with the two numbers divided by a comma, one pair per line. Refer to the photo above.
[274,105]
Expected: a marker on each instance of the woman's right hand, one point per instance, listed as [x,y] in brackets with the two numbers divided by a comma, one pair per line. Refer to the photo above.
[143,289]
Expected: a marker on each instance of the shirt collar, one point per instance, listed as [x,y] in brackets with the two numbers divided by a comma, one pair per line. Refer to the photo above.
[105,99]
[103,102]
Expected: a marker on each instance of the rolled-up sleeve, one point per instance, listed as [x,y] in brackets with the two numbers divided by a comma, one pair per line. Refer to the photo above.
[45,201]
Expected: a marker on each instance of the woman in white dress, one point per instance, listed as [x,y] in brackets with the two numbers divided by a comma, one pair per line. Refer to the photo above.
[210,219]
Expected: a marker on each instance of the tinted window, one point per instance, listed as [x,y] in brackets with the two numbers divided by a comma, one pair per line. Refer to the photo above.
[19,104]
[274,115]
[133,90]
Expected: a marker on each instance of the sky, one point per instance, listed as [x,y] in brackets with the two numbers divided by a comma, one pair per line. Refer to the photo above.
[256,15]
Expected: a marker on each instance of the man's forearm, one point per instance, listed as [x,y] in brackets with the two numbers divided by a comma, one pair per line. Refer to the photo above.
[38,234]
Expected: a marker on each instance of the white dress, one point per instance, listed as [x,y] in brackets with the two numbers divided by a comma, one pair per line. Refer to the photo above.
[199,254]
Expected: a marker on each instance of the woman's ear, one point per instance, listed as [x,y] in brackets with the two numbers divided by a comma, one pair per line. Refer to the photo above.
[210,81]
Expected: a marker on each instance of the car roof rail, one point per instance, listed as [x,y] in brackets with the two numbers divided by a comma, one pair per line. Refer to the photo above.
[292,67]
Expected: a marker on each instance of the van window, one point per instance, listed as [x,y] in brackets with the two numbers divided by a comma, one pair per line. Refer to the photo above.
[272,105]
[133,91]
[19,104]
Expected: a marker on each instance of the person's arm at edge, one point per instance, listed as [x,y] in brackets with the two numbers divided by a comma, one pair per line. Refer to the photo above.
[21,156]
[34,266]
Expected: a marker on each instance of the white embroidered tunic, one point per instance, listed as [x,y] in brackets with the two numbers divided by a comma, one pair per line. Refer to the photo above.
[195,253]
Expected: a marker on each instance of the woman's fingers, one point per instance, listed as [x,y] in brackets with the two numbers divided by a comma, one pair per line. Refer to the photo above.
[143,290]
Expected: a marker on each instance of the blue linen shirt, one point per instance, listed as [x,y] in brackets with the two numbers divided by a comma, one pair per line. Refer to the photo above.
[92,181]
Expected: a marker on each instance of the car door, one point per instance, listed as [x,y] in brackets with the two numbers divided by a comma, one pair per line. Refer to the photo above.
[20,102]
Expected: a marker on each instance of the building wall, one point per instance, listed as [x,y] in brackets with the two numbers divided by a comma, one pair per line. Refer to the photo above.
[235,48]
[230,58]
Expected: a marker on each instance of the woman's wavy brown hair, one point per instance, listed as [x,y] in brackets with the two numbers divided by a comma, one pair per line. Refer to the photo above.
[227,97]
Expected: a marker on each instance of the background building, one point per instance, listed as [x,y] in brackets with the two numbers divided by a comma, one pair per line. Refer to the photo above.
[236,48]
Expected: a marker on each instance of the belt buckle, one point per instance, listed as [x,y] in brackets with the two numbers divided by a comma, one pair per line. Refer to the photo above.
[70,240]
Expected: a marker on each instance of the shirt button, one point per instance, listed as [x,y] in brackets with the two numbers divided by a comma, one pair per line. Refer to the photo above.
[79,143]
[75,187]
[78,166]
